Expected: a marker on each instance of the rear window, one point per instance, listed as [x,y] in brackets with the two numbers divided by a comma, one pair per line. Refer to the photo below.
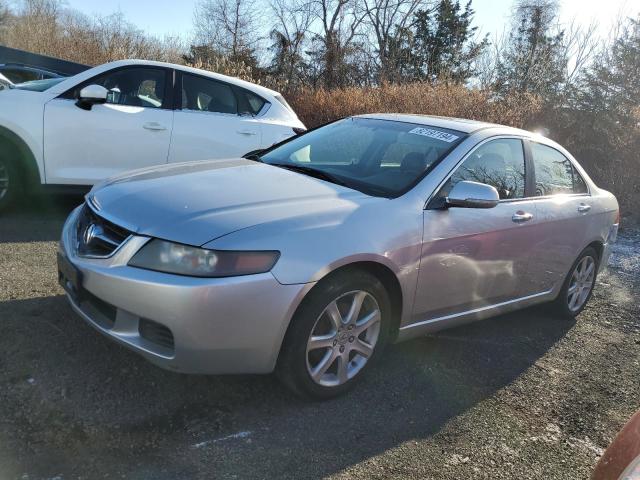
[251,103]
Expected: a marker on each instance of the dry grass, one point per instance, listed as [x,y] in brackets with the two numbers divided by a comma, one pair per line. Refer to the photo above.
[315,107]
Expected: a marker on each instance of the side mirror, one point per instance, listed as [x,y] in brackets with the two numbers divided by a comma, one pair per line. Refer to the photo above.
[92,95]
[467,194]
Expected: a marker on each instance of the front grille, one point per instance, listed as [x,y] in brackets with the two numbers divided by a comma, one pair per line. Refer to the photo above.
[98,237]
[155,333]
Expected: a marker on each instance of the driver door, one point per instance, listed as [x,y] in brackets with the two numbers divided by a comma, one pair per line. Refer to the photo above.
[473,258]
[131,130]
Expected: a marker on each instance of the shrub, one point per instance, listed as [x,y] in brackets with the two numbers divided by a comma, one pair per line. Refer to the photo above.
[315,107]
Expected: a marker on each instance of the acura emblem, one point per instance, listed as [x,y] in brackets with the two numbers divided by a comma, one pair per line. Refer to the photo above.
[91,232]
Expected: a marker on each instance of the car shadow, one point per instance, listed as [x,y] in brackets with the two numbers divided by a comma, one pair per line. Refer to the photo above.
[37,218]
[74,401]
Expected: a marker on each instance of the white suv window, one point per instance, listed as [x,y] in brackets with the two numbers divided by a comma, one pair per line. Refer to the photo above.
[204,95]
[136,87]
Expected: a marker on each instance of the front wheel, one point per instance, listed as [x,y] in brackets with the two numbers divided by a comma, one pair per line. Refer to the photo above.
[10,184]
[335,336]
[578,286]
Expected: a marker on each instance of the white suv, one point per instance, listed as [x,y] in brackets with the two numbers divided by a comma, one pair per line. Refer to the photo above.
[130,114]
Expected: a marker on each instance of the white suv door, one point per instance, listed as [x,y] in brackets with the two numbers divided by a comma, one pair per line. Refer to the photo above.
[131,130]
[213,120]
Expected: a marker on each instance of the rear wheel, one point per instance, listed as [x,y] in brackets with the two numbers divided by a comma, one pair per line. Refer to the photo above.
[578,286]
[335,336]
[10,183]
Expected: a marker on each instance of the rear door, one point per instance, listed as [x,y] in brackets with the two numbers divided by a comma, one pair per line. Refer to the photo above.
[131,130]
[473,257]
[563,207]
[211,121]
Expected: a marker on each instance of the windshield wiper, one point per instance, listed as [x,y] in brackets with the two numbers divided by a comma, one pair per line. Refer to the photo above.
[312,172]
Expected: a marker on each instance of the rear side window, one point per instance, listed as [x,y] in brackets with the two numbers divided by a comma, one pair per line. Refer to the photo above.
[555,174]
[499,163]
[204,95]
[251,103]
[579,185]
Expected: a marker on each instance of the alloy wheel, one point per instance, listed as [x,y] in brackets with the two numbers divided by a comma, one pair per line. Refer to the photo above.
[581,283]
[343,338]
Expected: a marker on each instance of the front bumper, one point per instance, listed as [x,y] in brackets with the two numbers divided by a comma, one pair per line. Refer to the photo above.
[185,324]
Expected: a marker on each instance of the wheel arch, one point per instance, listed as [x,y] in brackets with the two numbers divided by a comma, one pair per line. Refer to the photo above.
[380,271]
[12,145]
[598,246]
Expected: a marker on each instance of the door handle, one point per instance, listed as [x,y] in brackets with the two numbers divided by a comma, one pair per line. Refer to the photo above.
[247,132]
[521,217]
[154,126]
[584,208]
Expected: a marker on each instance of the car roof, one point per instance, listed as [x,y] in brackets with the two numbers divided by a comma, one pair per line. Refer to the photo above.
[459,124]
[216,76]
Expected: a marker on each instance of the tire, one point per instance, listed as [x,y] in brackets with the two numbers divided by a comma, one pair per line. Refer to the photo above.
[10,183]
[340,349]
[563,305]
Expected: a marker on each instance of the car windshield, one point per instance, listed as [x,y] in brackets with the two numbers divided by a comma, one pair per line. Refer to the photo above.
[39,85]
[378,157]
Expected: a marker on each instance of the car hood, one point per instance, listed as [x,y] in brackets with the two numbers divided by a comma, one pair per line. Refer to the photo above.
[196,202]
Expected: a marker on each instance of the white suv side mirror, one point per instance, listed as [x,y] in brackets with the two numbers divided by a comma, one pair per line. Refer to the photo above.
[92,95]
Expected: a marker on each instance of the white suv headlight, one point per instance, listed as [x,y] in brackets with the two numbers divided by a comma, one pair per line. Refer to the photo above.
[168,257]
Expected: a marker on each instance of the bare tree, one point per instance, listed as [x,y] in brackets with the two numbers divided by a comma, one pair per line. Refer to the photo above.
[487,63]
[229,26]
[340,21]
[389,19]
[580,44]
[293,20]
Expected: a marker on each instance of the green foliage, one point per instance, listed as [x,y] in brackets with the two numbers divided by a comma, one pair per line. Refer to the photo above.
[604,115]
[444,45]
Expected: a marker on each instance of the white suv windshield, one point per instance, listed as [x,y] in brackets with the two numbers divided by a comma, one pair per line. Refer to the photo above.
[39,85]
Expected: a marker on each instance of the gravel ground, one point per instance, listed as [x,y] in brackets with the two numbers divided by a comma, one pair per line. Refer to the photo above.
[524,395]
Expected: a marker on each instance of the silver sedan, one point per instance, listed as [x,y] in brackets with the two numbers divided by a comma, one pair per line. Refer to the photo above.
[309,257]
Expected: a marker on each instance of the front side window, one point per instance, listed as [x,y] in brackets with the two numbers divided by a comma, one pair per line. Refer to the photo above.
[380,157]
[499,163]
[134,87]
[204,95]
[555,175]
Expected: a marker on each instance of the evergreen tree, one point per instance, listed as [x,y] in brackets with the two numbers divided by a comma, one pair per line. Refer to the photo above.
[612,86]
[444,44]
[533,60]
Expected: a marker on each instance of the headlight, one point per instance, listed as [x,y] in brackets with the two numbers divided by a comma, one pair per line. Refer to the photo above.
[169,257]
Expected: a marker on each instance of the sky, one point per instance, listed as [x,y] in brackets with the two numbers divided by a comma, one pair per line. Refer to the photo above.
[160,17]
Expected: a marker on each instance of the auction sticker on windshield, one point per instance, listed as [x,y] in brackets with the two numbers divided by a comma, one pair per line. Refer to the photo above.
[430,132]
